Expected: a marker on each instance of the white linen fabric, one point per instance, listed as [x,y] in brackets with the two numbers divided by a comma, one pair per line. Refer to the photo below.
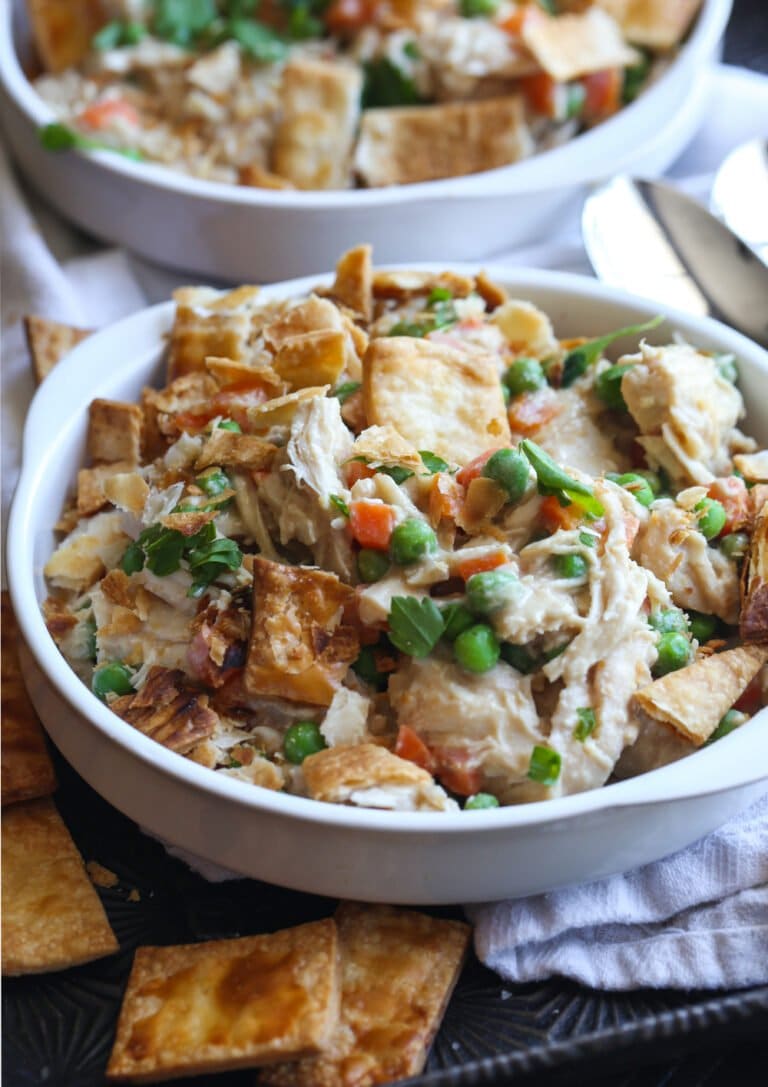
[698,919]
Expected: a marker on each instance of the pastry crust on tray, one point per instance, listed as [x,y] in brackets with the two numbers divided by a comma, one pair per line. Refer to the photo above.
[27,770]
[48,343]
[226,1004]
[694,699]
[398,969]
[436,397]
[52,917]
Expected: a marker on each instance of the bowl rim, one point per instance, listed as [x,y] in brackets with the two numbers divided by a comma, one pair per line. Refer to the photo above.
[715,769]
[543,171]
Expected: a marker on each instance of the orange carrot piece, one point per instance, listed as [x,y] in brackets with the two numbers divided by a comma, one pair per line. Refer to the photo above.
[480,565]
[409,745]
[371,524]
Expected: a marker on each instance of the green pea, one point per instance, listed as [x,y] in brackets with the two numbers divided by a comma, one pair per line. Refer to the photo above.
[570,566]
[457,619]
[477,649]
[229,424]
[608,386]
[674,652]
[519,658]
[509,469]
[637,485]
[213,482]
[669,621]
[711,517]
[525,376]
[472,8]
[653,479]
[480,801]
[112,678]
[735,545]
[365,667]
[732,720]
[703,627]
[411,541]
[490,590]
[302,739]
[371,565]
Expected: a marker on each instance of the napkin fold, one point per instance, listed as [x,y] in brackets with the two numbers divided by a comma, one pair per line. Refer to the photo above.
[698,919]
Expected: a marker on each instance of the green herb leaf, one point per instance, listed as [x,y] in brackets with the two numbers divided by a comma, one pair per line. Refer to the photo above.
[345,390]
[415,626]
[433,463]
[588,539]
[118,32]
[180,21]
[133,558]
[544,766]
[580,358]
[58,137]
[586,724]
[553,480]
[339,503]
[396,472]
[387,85]
[410,328]
[260,42]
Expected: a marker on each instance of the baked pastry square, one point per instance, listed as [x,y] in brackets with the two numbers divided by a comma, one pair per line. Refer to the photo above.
[398,969]
[227,1004]
[52,917]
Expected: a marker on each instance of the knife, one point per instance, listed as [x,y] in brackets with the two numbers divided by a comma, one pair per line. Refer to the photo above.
[653,240]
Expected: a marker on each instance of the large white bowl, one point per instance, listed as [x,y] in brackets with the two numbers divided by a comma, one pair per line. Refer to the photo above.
[250,235]
[324,848]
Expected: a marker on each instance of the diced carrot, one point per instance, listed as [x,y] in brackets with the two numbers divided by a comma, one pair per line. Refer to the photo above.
[355,470]
[349,16]
[475,467]
[732,493]
[232,401]
[479,565]
[102,114]
[463,780]
[603,93]
[446,497]
[371,524]
[528,412]
[540,91]
[752,698]
[409,745]
[554,516]
[513,24]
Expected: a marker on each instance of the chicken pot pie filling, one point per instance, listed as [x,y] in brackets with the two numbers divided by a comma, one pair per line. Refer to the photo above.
[332,94]
[443,558]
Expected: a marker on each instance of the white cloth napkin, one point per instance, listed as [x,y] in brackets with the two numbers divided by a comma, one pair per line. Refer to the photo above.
[698,919]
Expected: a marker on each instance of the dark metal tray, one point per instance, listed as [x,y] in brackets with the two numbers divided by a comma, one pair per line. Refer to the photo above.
[58,1028]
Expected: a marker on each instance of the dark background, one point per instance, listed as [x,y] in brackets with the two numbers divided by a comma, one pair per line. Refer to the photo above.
[746,41]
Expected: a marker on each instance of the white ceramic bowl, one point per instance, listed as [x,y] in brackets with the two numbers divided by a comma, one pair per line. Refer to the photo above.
[324,848]
[249,235]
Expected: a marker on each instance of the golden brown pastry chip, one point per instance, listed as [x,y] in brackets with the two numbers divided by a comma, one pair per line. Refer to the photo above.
[353,286]
[27,770]
[49,342]
[299,649]
[438,398]
[658,24]
[114,432]
[572,45]
[405,283]
[320,109]
[227,1004]
[91,483]
[63,30]
[169,710]
[257,177]
[405,144]
[492,293]
[383,445]
[126,490]
[228,372]
[398,970]
[232,450]
[281,410]
[52,916]
[311,315]
[334,774]
[694,699]
[205,327]
[314,358]
[753,623]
